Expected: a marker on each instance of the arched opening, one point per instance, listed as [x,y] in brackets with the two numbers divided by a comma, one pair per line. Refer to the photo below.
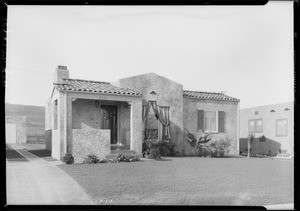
[156,121]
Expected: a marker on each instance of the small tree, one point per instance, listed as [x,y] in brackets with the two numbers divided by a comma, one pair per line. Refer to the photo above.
[221,147]
[250,138]
[199,144]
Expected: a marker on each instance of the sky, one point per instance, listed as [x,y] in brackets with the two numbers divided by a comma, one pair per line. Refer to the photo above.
[244,51]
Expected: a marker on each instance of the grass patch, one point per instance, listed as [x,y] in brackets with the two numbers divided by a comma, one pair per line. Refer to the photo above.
[188,181]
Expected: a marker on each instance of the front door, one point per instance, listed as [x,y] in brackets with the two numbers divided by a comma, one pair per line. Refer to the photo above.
[109,121]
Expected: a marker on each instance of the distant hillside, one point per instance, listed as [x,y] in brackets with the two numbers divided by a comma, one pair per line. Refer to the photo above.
[35,116]
[24,110]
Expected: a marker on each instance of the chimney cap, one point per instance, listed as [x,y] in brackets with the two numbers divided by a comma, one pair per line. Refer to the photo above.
[61,67]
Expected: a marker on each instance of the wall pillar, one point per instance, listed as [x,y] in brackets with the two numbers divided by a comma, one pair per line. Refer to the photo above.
[65,123]
[136,126]
[238,129]
[62,122]
[69,124]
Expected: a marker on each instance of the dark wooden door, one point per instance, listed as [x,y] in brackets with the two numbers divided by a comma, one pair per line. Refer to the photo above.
[110,121]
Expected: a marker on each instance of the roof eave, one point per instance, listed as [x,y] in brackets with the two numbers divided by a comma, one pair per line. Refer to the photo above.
[212,99]
[101,93]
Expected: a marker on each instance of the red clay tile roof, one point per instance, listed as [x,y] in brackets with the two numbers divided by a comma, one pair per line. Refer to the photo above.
[208,95]
[93,86]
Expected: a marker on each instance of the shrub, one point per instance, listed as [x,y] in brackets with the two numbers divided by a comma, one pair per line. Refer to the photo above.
[270,153]
[220,147]
[243,153]
[68,159]
[154,153]
[262,138]
[103,161]
[182,153]
[125,158]
[199,145]
[204,152]
[149,145]
[145,149]
[91,159]
[166,148]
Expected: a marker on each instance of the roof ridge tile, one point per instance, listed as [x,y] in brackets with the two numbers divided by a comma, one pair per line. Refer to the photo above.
[204,92]
[208,95]
[93,86]
[74,79]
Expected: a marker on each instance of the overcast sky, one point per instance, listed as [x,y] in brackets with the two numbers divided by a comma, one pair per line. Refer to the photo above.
[246,51]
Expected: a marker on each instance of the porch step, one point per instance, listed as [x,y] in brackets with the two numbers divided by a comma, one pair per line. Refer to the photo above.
[122,151]
[120,147]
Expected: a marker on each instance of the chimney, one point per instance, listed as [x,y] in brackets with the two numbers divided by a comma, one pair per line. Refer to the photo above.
[60,72]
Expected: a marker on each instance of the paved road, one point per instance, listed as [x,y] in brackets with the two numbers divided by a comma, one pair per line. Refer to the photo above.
[41,182]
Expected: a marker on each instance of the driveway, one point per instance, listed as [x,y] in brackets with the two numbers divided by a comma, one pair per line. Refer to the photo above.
[33,180]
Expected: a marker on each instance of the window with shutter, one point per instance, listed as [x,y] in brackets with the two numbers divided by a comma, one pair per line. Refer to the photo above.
[201,120]
[221,121]
[210,120]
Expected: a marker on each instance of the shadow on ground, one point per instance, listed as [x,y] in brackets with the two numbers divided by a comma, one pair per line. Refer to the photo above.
[42,153]
[13,155]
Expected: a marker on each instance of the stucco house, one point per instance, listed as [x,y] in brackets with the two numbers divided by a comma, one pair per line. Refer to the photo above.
[274,122]
[92,117]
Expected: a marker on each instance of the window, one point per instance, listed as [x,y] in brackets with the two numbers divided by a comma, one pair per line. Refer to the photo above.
[256,126]
[281,127]
[259,125]
[211,121]
[256,112]
[251,126]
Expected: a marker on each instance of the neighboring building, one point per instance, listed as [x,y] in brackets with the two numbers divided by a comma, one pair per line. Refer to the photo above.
[274,122]
[92,117]
[24,123]
[15,129]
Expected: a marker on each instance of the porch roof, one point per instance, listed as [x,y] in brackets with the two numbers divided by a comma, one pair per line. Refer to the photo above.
[93,86]
[208,95]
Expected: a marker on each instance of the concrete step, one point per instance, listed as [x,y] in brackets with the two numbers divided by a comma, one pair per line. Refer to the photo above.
[122,152]
[115,147]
